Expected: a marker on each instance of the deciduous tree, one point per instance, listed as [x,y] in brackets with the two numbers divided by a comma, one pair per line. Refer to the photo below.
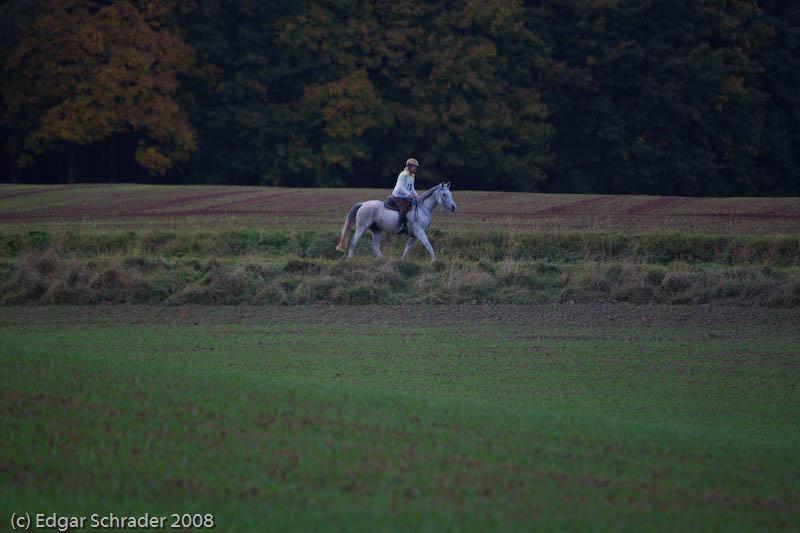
[88,70]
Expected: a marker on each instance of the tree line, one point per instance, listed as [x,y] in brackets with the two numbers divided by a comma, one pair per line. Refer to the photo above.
[674,97]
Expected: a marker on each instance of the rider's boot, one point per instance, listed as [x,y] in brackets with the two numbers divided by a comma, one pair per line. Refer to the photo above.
[403,224]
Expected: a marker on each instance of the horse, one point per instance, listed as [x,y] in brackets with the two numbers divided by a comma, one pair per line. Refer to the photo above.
[375,216]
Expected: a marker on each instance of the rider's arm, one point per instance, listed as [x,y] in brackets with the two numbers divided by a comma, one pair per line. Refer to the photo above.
[412,192]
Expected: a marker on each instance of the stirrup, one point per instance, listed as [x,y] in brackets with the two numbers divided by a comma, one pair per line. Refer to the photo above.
[403,229]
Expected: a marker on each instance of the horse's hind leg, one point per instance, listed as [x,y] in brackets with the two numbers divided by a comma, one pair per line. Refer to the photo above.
[360,230]
[410,243]
[376,242]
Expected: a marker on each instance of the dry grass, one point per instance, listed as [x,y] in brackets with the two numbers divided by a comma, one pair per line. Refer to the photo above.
[47,278]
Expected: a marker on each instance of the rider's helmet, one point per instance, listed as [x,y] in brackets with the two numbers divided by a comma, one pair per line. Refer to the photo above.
[412,161]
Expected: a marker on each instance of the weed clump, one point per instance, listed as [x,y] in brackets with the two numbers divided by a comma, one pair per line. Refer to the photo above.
[301,266]
[312,290]
[361,294]
[654,275]
[272,294]
[61,293]
[676,281]
[28,283]
[223,284]
[512,272]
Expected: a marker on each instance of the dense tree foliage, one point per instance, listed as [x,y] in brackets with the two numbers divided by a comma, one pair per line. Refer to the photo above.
[614,96]
[86,71]
[653,96]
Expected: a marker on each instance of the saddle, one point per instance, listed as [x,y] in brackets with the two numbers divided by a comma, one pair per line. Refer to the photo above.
[389,203]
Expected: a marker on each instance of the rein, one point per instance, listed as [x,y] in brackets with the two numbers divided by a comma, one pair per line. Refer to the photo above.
[417,207]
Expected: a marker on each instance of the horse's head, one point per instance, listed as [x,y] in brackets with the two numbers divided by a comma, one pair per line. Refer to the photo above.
[445,198]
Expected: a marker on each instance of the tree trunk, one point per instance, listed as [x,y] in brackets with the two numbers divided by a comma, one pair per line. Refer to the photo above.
[71,164]
[14,169]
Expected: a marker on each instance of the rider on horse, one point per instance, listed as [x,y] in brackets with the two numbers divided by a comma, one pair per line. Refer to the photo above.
[404,191]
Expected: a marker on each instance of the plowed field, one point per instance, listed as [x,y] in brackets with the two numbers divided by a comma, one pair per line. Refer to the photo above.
[214,207]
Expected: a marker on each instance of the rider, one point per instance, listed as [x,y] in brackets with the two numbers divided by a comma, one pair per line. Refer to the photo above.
[404,191]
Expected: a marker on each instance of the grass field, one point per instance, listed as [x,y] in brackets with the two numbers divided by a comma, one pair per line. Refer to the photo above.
[657,418]
[517,387]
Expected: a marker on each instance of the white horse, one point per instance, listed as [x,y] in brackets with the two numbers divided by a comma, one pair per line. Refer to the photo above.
[373,215]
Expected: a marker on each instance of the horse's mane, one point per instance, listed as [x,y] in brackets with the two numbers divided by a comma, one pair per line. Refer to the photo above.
[429,192]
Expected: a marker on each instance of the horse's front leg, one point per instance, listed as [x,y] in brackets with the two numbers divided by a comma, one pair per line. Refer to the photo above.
[419,233]
[410,243]
[423,238]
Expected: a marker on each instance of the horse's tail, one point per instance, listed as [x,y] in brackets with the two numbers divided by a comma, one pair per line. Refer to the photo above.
[348,223]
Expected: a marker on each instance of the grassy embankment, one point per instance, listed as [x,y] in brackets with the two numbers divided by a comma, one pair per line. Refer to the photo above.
[315,417]
[299,267]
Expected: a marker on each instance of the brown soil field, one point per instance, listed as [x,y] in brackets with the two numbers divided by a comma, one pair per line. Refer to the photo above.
[142,207]
[733,320]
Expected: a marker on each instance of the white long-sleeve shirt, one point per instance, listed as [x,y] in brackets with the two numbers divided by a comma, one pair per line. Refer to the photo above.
[405,185]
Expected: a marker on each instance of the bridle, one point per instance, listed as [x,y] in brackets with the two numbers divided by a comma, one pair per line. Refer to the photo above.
[443,186]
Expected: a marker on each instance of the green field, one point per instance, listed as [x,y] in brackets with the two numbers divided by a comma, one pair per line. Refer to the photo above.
[568,363]
[559,417]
